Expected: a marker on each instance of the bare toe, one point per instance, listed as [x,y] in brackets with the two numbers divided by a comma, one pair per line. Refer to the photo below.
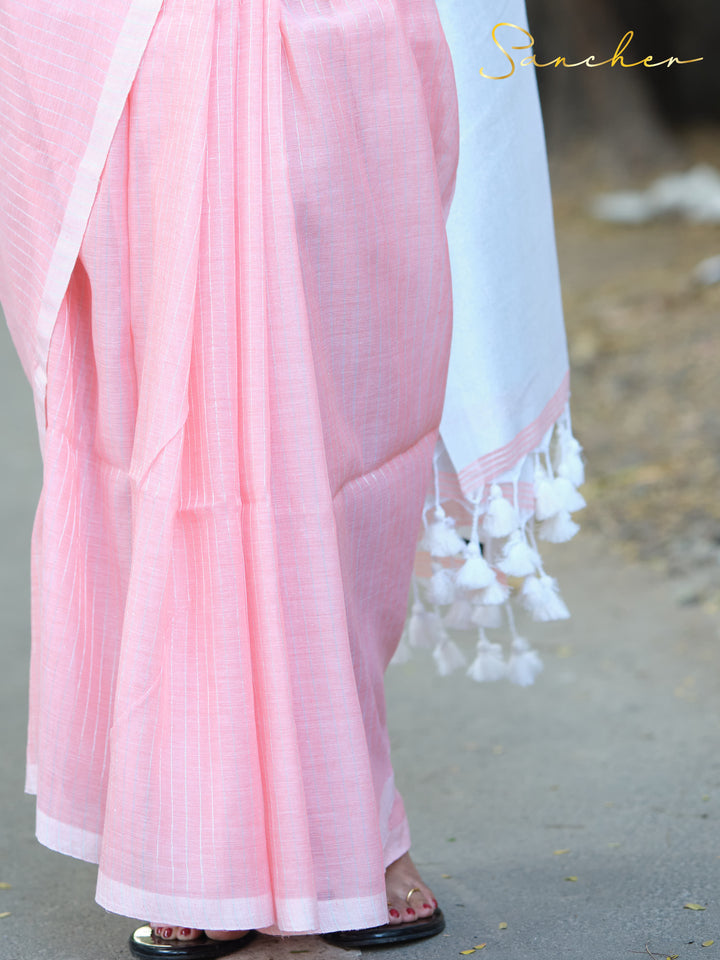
[422,901]
[395,912]
[165,932]
[409,898]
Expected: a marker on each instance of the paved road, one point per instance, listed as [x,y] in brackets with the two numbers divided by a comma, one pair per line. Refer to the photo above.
[612,757]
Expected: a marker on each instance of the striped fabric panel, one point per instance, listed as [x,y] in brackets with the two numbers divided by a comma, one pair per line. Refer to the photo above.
[66,70]
[245,385]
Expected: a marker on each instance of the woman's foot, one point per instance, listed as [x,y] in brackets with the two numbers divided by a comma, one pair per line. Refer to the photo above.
[164,932]
[400,878]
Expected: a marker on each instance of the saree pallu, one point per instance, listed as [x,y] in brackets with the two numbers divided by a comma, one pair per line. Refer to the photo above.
[506,467]
[245,381]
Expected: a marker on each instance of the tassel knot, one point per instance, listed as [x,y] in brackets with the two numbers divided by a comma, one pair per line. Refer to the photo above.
[447,656]
[519,559]
[547,503]
[571,465]
[500,517]
[488,664]
[441,538]
[558,529]
[496,593]
[569,498]
[459,616]
[487,616]
[441,589]
[524,664]
[541,598]
[423,626]
[476,573]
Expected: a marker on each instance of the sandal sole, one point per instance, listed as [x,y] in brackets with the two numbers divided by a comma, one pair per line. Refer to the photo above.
[143,944]
[389,933]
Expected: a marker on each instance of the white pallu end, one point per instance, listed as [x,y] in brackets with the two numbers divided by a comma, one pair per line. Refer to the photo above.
[506,465]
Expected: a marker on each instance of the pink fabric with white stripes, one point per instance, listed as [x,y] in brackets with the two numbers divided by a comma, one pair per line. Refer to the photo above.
[244,389]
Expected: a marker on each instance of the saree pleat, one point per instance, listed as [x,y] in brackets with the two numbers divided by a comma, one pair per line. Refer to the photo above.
[245,386]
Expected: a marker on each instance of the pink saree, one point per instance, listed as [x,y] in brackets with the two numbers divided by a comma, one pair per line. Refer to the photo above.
[226,273]
[245,380]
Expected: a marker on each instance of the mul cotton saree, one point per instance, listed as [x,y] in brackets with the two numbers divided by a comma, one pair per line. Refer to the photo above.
[226,271]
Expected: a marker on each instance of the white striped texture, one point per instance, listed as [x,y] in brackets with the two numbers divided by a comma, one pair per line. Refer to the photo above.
[245,381]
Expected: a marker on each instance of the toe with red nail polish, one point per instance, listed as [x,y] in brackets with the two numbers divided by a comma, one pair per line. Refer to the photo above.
[409,899]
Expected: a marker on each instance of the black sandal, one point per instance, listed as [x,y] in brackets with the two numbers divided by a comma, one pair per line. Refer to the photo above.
[144,943]
[389,933]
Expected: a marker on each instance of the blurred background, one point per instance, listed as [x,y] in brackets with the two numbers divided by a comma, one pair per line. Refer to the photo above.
[635,169]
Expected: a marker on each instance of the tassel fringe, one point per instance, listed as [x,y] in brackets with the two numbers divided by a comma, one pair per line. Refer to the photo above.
[441,589]
[524,664]
[495,562]
[541,598]
[448,657]
[441,539]
[487,616]
[460,615]
[500,518]
[476,573]
[488,664]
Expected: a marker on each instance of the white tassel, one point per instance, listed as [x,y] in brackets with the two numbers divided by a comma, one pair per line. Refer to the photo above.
[546,498]
[488,665]
[524,664]
[421,630]
[501,517]
[459,616]
[571,464]
[476,573]
[402,652]
[441,539]
[483,616]
[558,529]
[448,657]
[496,593]
[441,589]
[542,600]
[569,498]
[519,559]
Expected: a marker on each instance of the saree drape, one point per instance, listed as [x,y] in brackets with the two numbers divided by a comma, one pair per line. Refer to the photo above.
[244,386]
[226,271]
